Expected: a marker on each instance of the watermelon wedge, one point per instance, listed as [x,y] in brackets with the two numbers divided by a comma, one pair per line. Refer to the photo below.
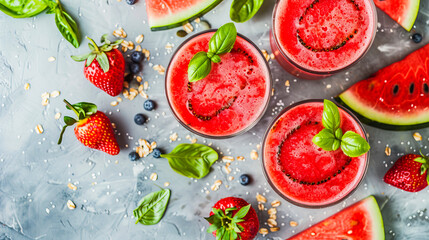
[403,12]
[396,97]
[166,14]
[361,221]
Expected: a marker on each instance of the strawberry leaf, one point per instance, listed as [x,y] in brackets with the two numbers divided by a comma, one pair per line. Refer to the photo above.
[103,61]
[91,46]
[69,121]
[80,58]
[88,108]
[229,210]
[242,212]
[420,160]
[104,39]
[90,59]
[423,169]
[213,228]
[219,233]
[427,177]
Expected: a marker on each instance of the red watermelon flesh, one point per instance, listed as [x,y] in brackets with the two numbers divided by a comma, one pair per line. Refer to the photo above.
[396,97]
[403,12]
[361,221]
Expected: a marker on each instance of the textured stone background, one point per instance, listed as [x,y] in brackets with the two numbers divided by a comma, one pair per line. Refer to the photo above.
[34,170]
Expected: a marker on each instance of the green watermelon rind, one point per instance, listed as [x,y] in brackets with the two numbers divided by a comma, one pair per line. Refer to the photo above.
[378,119]
[179,20]
[411,17]
[376,218]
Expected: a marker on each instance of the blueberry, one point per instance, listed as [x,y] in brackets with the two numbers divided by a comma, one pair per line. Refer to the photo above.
[417,37]
[139,119]
[244,179]
[131,2]
[149,105]
[133,156]
[137,57]
[134,68]
[156,153]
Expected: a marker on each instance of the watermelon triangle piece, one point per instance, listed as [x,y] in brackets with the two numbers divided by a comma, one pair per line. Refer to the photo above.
[361,221]
[396,97]
[166,14]
[403,12]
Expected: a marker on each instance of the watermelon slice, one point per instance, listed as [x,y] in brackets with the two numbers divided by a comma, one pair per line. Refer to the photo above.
[361,221]
[403,12]
[396,97]
[166,14]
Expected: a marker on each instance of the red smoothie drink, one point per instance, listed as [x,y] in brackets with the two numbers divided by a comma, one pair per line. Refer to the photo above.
[315,38]
[230,100]
[298,169]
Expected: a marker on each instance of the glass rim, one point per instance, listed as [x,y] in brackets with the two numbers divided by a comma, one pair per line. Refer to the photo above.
[275,188]
[250,126]
[283,54]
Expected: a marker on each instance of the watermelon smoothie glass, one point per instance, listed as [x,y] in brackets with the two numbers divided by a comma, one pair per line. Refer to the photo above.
[299,170]
[313,39]
[230,100]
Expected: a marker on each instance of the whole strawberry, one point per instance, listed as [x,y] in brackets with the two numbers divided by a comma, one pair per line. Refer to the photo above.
[233,218]
[409,173]
[93,128]
[104,66]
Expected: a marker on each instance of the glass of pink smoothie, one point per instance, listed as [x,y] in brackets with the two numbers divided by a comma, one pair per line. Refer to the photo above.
[300,171]
[313,39]
[230,100]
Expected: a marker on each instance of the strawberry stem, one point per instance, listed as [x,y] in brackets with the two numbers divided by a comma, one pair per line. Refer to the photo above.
[93,43]
[71,107]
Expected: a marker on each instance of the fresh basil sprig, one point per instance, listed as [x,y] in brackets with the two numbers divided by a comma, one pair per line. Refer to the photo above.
[243,10]
[191,160]
[331,137]
[220,43]
[152,207]
[66,25]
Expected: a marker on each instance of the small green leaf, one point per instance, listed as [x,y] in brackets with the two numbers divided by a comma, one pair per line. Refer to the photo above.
[117,42]
[243,10]
[336,144]
[152,207]
[106,48]
[87,108]
[423,169]
[427,177]
[67,27]
[199,67]
[91,46]
[213,228]
[105,39]
[242,212]
[420,160]
[215,59]
[234,235]
[223,40]
[91,58]
[69,121]
[220,233]
[331,115]
[80,58]
[338,133]
[353,144]
[324,139]
[192,160]
[103,61]
[229,210]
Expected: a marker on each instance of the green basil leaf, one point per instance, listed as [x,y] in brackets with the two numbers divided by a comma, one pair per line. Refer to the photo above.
[67,27]
[215,59]
[103,61]
[331,115]
[152,207]
[324,139]
[80,58]
[243,10]
[353,144]
[199,67]
[242,212]
[338,133]
[223,40]
[22,8]
[192,160]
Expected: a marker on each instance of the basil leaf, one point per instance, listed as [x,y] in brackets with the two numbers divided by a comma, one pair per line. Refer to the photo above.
[242,212]
[22,8]
[331,115]
[152,207]
[199,67]
[324,139]
[103,61]
[353,145]
[191,160]
[243,10]
[223,40]
[67,27]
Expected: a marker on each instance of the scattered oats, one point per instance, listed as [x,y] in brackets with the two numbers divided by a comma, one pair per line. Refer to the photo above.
[417,136]
[71,205]
[197,20]
[263,231]
[166,184]
[169,46]
[272,56]
[227,169]
[114,103]
[160,69]
[144,95]
[140,89]
[388,151]
[145,85]
[139,38]
[273,216]
[254,155]
[45,95]
[153,176]
[258,147]
[126,84]
[152,145]
[27,86]
[120,32]
[272,211]
[261,206]
[230,178]
[173,137]
[240,158]
[138,48]
[266,55]
[125,93]
[227,159]
[261,198]
[146,53]
[45,101]
[133,93]
[272,91]
[39,129]
[214,187]
[124,49]
[130,45]
[274,229]
[57,115]
[51,59]
[293,223]
[139,79]
[287,83]
[113,125]
[188,28]
[119,99]
[55,94]
[275,203]
[272,223]
[328,86]
[72,186]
